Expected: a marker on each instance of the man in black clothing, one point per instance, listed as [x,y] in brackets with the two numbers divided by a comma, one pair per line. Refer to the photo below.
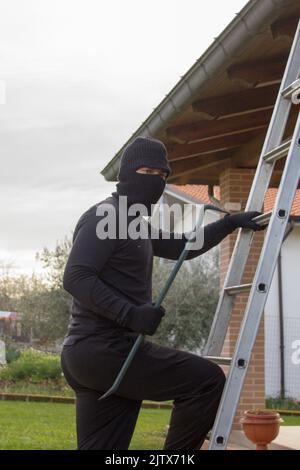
[110,281]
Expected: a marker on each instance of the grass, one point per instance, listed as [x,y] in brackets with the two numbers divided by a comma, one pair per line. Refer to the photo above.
[150,429]
[51,426]
[291,421]
[49,388]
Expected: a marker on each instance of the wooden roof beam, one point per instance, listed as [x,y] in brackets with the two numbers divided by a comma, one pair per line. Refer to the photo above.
[260,71]
[211,145]
[197,166]
[236,103]
[226,126]
[284,27]
[195,162]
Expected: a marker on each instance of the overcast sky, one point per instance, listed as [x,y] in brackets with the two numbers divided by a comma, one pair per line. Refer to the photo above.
[80,77]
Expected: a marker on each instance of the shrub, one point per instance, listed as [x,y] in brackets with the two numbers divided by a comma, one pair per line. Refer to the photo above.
[33,365]
[278,403]
[190,303]
[12,354]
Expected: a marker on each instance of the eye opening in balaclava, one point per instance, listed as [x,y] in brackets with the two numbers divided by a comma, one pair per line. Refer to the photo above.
[162,173]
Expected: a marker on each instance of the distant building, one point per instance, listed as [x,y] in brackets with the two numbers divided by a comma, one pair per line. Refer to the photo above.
[10,324]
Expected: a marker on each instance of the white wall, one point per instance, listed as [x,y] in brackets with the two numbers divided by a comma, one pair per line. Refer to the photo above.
[291,312]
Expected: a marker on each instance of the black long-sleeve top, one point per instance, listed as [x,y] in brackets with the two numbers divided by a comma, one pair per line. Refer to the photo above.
[106,277]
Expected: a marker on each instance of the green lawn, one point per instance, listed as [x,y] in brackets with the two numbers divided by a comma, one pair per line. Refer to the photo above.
[291,421]
[29,426]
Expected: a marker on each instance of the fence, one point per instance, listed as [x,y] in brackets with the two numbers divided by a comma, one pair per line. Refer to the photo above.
[291,356]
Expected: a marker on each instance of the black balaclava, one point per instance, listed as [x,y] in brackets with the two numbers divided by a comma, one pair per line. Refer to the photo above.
[138,187]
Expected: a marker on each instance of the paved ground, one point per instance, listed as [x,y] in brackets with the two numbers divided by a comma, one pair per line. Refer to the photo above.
[289,436]
[288,439]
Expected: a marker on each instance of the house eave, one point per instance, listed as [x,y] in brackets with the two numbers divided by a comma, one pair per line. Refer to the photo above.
[251,20]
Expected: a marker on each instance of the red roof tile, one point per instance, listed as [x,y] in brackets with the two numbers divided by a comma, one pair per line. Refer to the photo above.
[200,192]
[270,200]
[196,191]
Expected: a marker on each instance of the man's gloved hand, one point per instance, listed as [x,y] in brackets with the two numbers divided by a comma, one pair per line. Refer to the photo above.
[145,318]
[244,220]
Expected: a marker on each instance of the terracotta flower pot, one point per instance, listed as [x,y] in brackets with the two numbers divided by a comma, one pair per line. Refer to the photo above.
[261,427]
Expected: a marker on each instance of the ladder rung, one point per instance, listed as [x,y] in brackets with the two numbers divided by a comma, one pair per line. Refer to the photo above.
[226,361]
[263,219]
[291,89]
[278,152]
[232,290]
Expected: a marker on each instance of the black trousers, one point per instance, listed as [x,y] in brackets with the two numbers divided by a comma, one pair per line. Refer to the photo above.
[157,373]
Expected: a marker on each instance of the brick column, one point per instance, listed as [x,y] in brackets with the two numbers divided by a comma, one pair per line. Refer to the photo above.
[235,185]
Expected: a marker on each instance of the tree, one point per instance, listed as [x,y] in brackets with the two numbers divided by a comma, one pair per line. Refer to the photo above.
[42,301]
[190,303]
[54,262]
[45,304]
[45,310]
[10,287]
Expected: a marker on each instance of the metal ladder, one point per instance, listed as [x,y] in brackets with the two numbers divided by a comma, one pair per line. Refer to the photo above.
[273,150]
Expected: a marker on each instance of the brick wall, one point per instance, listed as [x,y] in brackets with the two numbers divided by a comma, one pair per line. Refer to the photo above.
[235,186]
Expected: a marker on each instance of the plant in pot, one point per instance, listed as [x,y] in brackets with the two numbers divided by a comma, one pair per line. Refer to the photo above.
[261,426]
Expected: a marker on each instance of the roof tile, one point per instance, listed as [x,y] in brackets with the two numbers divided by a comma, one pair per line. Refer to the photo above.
[200,192]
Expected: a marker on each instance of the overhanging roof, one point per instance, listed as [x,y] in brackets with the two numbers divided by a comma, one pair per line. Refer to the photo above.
[217,114]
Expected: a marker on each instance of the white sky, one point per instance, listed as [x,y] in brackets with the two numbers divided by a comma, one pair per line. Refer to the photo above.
[80,77]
